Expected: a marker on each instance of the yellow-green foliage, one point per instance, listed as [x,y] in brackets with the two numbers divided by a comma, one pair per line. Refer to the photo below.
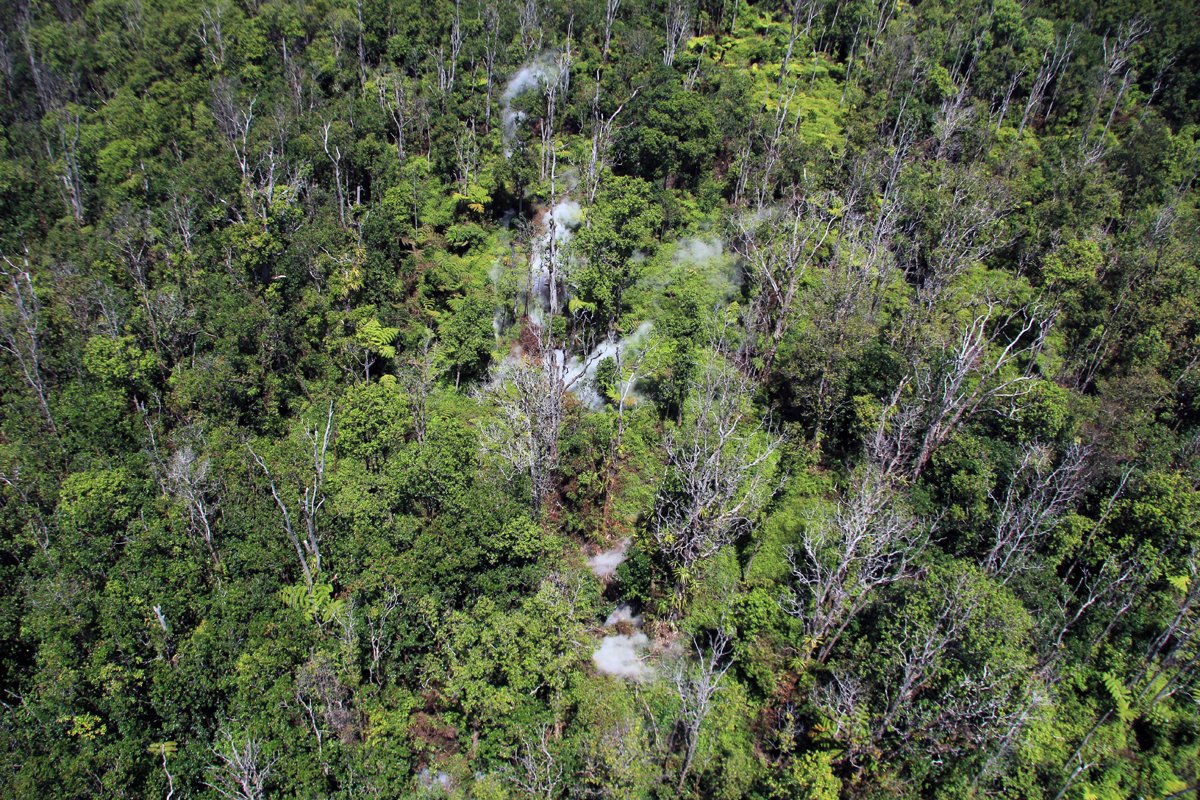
[319,604]
[1120,697]
[757,48]
[809,776]
[728,743]
[377,338]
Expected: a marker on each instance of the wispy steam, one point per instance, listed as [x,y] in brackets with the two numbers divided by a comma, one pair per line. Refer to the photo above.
[699,252]
[567,214]
[618,655]
[623,613]
[579,372]
[605,564]
[541,70]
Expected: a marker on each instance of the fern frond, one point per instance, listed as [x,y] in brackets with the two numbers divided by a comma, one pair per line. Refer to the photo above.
[1120,697]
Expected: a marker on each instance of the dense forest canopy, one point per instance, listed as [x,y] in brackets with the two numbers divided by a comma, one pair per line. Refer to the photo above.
[624,399]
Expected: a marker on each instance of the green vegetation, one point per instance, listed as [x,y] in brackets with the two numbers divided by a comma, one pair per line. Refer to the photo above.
[632,399]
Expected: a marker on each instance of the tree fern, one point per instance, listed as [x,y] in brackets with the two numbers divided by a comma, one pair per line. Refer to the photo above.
[1120,697]
[319,605]
[377,338]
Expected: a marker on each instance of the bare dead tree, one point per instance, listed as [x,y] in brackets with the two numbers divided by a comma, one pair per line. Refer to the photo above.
[418,375]
[718,467]
[234,119]
[746,162]
[278,180]
[311,497]
[447,68]
[1142,562]
[211,34]
[778,245]
[630,368]
[890,446]
[843,700]
[186,475]
[1180,633]
[764,149]
[70,179]
[467,155]
[616,760]
[77,296]
[325,700]
[181,216]
[190,476]
[968,715]
[555,84]
[392,93]
[982,368]
[1159,244]
[43,80]
[990,365]
[131,239]
[970,706]
[109,307]
[344,624]
[242,769]
[887,9]
[679,28]
[954,116]
[689,81]
[310,711]
[787,56]
[1171,658]
[490,14]
[1085,591]
[163,749]
[21,329]
[812,10]
[960,227]
[529,22]
[528,396]
[696,685]
[59,96]
[376,618]
[536,768]
[1054,62]
[1013,83]
[287,519]
[335,158]
[1117,52]
[29,508]
[552,257]
[840,308]
[1160,83]
[599,154]
[611,7]
[1038,496]
[1101,147]
[343,28]
[362,51]
[852,62]
[456,42]
[872,540]
[1032,709]
[314,494]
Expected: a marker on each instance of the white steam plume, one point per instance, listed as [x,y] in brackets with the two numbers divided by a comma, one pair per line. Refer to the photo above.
[540,70]
[605,564]
[618,655]
[624,613]
[579,372]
